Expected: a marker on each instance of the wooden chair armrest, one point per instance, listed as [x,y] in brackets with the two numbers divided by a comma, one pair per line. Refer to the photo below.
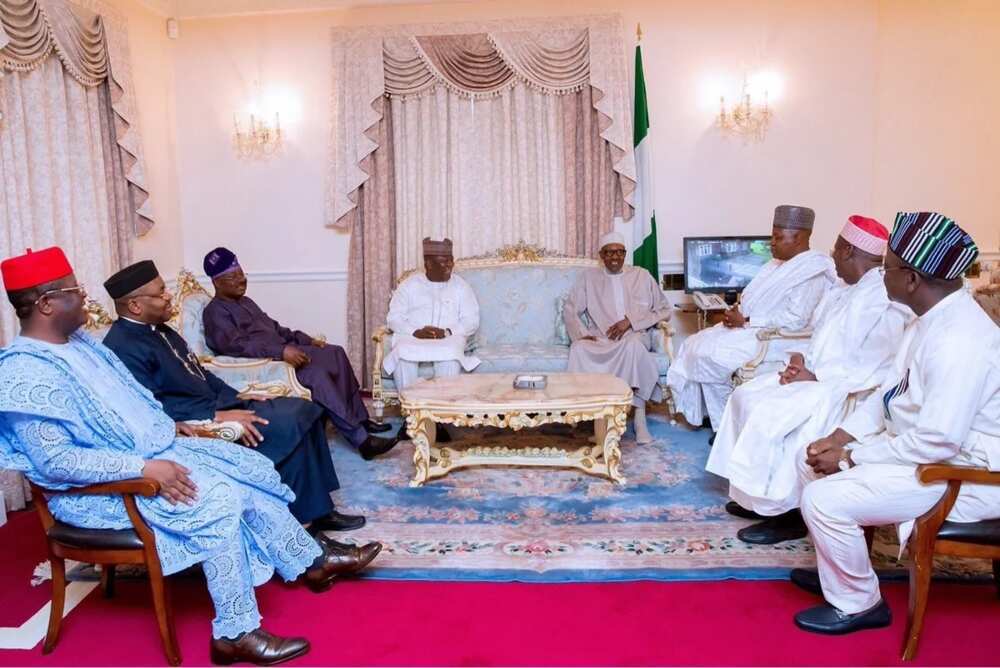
[137,486]
[927,473]
[380,334]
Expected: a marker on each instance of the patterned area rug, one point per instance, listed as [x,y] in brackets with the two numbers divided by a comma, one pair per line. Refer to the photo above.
[556,525]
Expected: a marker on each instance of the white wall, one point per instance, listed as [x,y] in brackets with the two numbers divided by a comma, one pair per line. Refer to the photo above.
[867,114]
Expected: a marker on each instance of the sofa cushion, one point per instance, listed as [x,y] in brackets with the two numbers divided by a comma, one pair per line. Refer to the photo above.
[518,304]
[192,326]
[517,358]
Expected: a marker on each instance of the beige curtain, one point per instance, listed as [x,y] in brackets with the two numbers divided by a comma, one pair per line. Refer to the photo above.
[372,267]
[58,167]
[488,137]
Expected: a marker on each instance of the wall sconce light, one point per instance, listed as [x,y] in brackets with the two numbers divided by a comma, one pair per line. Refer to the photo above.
[747,118]
[260,140]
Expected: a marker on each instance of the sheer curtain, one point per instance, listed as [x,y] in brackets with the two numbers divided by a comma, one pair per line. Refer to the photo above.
[58,174]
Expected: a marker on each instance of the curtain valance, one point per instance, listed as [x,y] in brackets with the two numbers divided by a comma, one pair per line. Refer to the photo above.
[486,64]
[90,38]
[473,60]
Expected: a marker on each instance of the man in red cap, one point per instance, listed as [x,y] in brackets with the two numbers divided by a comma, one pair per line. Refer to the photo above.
[769,421]
[71,414]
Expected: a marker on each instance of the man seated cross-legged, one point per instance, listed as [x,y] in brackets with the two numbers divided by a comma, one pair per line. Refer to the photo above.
[288,431]
[939,403]
[72,415]
[769,421]
[235,325]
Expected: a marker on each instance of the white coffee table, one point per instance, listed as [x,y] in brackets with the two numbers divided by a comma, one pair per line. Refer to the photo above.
[489,399]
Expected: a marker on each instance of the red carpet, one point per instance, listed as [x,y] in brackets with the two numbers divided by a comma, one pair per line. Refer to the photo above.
[422,623]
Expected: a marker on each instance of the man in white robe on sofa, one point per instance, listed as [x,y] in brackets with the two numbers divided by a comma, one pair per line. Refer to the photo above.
[783,294]
[621,305]
[432,315]
[769,421]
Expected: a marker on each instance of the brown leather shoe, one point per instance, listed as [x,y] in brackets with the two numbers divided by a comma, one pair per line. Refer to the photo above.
[257,647]
[339,559]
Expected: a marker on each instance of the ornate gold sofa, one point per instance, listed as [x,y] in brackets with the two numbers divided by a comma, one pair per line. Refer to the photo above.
[772,343]
[261,377]
[521,290]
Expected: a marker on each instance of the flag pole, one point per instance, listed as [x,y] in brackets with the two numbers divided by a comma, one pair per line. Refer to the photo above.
[638,32]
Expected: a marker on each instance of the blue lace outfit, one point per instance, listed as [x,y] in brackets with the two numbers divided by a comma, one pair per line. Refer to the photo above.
[72,415]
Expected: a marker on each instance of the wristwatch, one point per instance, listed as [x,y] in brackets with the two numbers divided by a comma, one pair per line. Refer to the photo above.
[845,459]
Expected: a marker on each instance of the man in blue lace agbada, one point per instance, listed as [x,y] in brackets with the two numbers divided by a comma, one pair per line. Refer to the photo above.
[71,415]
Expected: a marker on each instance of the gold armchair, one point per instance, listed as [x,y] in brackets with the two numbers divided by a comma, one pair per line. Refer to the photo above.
[765,336]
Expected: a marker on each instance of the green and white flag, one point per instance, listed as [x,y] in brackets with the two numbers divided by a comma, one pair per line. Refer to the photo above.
[643,241]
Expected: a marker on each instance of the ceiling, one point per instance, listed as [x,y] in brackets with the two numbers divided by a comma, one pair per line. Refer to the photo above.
[204,8]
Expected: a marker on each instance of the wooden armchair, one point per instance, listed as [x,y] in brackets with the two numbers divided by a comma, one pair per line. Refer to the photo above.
[933,534]
[107,547]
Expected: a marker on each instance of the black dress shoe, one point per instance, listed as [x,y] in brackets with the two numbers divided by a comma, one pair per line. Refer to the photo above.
[373,427]
[775,530]
[736,509]
[828,620]
[711,439]
[807,579]
[257,647]
[373,447]
[335,521]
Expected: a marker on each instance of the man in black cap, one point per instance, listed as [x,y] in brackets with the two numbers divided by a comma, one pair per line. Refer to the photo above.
[288,431]
[235,325]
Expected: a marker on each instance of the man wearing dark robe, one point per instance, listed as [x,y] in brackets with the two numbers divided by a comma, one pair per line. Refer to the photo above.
[288,431]
[236,326]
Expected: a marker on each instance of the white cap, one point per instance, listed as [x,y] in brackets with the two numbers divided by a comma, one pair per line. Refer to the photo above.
[612,238]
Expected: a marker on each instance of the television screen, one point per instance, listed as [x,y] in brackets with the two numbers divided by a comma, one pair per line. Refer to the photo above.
[719,264]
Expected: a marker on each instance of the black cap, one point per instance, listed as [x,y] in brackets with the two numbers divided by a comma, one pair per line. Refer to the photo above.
[131,278]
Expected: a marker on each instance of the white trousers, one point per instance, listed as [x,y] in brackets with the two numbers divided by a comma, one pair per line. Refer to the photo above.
[836,507]
[407,373]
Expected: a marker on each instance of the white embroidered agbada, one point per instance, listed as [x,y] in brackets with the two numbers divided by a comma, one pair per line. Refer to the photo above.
[766,426]
[783,294]
[419,302]
[605,299]
[940,402]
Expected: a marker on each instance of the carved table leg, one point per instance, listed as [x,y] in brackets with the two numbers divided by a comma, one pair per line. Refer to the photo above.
[613,429]
[423,433]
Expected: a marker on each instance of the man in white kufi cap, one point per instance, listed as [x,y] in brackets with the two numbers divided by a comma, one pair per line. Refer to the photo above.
[609,314]
[769,421]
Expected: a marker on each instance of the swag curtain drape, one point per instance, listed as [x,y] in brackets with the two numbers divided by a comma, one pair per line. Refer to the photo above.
[499,132]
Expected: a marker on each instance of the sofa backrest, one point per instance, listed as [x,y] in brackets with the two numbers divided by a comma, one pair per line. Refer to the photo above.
[190,302]
[521,291]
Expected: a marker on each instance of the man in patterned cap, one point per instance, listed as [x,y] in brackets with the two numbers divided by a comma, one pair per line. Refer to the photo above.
[235,325]
[769,421]
[432,316]
[939,403]
[621,305]
[783,294]
[72,415]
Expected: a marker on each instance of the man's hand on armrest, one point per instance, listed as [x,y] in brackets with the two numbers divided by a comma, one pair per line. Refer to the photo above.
[251,435]
[184,429]
[175,485]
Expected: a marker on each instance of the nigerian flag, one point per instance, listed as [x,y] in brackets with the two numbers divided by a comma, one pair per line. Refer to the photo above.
[643,239]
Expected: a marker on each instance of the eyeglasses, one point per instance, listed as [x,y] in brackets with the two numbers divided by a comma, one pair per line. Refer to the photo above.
[79,289]
[614,253]
[883,270]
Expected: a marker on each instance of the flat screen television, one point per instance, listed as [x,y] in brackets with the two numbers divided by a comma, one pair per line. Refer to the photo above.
[723,264]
